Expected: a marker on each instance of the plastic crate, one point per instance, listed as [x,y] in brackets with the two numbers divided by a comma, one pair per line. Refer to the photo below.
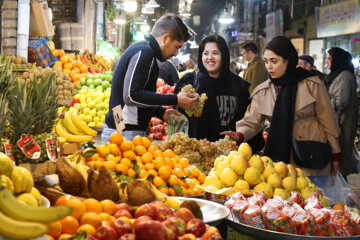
[40,53]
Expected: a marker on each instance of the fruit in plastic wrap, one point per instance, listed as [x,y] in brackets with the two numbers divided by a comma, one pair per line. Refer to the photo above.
[197,109]
[254,216]
[238,210]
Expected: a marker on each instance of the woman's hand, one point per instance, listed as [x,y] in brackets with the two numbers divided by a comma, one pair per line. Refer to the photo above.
[232,135]
[334,167]
[168,112]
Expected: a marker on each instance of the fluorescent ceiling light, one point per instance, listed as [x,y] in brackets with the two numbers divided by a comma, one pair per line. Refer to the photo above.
[226,18]
[147,10]
[152,3]
[130,6]
[186,12]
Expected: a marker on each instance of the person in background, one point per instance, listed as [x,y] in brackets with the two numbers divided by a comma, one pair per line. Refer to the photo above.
[181,67]
[255,72]
[342,90]
[234,68]
[190,67]
[135,76]
[168,72]
[307,62]
[297,105]
[228,94]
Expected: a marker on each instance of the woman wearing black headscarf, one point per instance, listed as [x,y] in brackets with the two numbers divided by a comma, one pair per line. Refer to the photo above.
[228,94]
[297,105]
[341,85]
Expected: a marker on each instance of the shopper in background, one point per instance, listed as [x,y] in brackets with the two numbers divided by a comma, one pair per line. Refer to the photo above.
[307,62]
[342,90]
[297,105]
[228,94]
[135,76]
[190,67]
[233,68]
[168,72]
[255,72]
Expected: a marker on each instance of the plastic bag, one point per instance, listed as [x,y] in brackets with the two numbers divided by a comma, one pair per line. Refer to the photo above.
[338,190]
[177,124]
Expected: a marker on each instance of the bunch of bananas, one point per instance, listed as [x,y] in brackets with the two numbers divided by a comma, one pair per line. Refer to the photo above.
[72,129]
[21,221]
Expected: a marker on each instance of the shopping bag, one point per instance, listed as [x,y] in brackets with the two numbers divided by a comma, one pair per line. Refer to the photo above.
[338,190]
[177,124]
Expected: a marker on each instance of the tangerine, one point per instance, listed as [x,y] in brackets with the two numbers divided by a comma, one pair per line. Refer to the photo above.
[169,153]
[92,219]
[116,138]
[201,177]
[64,236]
[55,229]
[58,63]
[164,190]
[338,206]
[107,218]
[122,168]
[140,150]
[114,149]
[131,173]
[126,146]
[169,162]
[158,181]
[61,52]
[69,225]
[195,171]
[129,154]
[63,199]
[108,206]
[64,59]
[137,140]
[158,153]
[184,163]
[152,148]
[102,150]
[126,161]
[146,142]
[149,166]
[172,192]
[153,172]
[110,165]
[92,205]
[78,208]
[164,173]
[90,230]
[178,172]
[173,180]
[159,162]
[187,172]
[147,157]
[143,173]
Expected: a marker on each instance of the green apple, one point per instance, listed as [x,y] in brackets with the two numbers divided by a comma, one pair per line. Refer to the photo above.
[105,84]
[83,81]
[88,118]
[89,81]
[97,82]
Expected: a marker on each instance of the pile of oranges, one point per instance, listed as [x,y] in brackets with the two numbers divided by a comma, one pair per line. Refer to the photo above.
[173,175]
[86,216]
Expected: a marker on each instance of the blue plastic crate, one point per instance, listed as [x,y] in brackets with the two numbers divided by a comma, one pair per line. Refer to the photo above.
[40,53]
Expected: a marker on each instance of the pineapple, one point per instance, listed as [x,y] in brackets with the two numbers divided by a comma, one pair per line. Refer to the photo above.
[32,112]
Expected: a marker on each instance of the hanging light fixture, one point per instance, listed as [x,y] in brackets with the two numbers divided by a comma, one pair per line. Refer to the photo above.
[185,12]
[144,26]
[130,6]
[227,18]
[194,45]
[147,10]
[140,20]
[152,4]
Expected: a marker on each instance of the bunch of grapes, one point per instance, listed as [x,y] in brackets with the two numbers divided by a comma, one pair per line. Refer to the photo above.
[207,148]
[197,109]
[225,146]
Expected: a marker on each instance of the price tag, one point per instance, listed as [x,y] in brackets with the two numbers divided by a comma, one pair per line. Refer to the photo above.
[119,121]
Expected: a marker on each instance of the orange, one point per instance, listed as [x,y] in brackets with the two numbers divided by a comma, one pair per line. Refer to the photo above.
[55,52]
[184,162]
[102,150]
[164,190]
[108,206]
[139,160]
[131,173]
[122,168]
[338,206]
[198,190]
[146,142]
[90,230]
[78,208]
[172,192]
[69,225]
[129,154]
[158,153]
[177,158]
[201,177]
[112,158]
[55,229]
[153,172]
[68,66]
[143,173]
[126,162]
[191,192]
[98,164]
[164,173]
[76,83]
[169,162]
[64,60]
[61,52]
[173,180]
[196,181]
[169,153]
[92,219]
[137,140]
[71,55]
[114,149]
[110,165]
[75,70]
[126,219]
[92,205]
[190,182]
[195,171]
[149,166]
[178,165]
[64,236]
[126,146]
[178,173]
[159,162]
[63,199]
[83,69]
[147,157]
[185,191]
[78,64]
[116,138]
[140,150]
[187,172]
[67,71]
[158,181]
[106,218]
[183,183]
[152,149]
[58,63]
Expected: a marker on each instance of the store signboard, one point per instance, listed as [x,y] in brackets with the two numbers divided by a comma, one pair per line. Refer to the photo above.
[338,18]
[274,24]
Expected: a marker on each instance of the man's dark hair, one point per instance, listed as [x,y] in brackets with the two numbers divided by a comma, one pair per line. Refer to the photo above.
[307,58]
[172,24]
[250,46]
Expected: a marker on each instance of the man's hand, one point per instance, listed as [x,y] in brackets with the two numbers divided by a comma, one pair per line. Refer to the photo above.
[334,167]
[186,100]
[168,112]
[231,134]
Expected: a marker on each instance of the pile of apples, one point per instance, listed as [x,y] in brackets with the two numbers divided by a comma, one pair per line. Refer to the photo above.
[163,88]
[96,81]
[157,129]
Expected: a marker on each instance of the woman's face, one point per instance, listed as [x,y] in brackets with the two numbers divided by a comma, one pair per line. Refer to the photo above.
[328,60]
[275,65]
[211,59]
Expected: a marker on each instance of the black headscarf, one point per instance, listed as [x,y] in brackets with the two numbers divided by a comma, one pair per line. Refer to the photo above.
[278,145]
[341,61]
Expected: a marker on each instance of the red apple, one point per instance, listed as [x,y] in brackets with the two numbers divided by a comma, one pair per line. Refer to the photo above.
[145,210]
[151,136]
[179,224]
[166,88]
[157,204]
[164,213]
[121,227]
[122,213]
[211,233]
[141,219]
[152,129]
[128,236]
[160,82]
[158,135]
[170,229]
[153,230]
[159,128]
[172,89]
[122,206]
[185,214]
[196,226]
[187,236]
[105,232]
[165,124]
[90,237]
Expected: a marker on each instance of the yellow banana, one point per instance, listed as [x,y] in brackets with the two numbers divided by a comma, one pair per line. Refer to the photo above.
[80,125]
[61,140]
[69,125]
[169,201]
[12,228]
[61,132]
[15,209]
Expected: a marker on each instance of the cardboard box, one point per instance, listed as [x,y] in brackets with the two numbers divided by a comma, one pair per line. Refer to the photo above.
[40,23]
[40,170]
[69,148]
